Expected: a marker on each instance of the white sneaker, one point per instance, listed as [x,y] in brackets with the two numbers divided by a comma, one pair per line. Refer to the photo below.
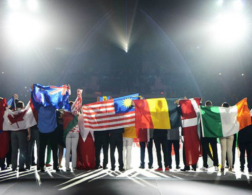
[204,169]
[216,168]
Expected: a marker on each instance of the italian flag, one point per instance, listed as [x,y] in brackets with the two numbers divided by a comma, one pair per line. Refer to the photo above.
[224,122]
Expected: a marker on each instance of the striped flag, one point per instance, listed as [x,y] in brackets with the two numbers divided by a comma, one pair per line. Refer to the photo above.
[224,122]
[112,114]
[157,113]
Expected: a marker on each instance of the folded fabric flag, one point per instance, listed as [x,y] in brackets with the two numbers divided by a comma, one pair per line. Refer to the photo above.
[190,122]
[223,122]
[4,143]
[76,107]
[86,153]
[11,103]
[70,119]
[56,96]
[157,113]
[69,122]
[111,114]
[86,147]
[17,120]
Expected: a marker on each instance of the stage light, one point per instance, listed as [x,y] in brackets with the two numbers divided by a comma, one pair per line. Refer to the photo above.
[229,28]
[14,4]
[242,74]
[220,74]
[23,29]
[238,4]
[219,2]
[126,48]
[32,5]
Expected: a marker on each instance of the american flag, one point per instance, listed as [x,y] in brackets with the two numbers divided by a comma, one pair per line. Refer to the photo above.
[112,114]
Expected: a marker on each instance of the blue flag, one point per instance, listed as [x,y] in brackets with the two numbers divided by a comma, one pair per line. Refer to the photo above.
[11,103]
[56,96]
[104,98]
[124,104]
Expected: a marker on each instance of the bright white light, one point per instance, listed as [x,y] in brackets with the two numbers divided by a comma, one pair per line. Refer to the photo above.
[14,4]
[126,48]
[24,30]
[220,74]
[229,28]
[32,5]
[238,4]
[242,74]
[219,2]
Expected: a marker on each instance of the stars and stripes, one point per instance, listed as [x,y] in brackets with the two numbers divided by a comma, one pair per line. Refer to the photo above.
[108,115]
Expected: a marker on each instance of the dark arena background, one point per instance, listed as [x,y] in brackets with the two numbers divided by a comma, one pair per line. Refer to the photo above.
[157,48]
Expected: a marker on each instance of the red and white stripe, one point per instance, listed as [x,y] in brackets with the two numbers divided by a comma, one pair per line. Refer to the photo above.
[101,116]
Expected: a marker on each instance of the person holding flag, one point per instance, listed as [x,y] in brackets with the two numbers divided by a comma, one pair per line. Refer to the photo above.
[71,130]
[101,141]
[46,99]
[19,140]
[209,141]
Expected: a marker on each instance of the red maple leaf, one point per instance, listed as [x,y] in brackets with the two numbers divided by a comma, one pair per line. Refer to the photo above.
[17,117]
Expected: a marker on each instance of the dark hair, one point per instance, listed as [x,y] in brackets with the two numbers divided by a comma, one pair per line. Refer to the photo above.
[20,104]
[225,104]
[1,98]
[208,103]
[71,103]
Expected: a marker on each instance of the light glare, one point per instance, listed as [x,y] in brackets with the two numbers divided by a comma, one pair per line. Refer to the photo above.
[219,2]
[14,4]
[229,28]
[32,5]
[24,30]
[238,4]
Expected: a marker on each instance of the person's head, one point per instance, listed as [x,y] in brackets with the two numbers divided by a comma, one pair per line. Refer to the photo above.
[225,104]
[71,103]
[208,103]
[1,98]
[20,105]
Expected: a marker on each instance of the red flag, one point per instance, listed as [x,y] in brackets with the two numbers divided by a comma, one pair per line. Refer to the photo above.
[4,136]
[3,106]
[4,143]
[86,153]
[190,109]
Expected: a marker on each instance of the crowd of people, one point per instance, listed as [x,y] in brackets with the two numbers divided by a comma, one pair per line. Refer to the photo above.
[49,133]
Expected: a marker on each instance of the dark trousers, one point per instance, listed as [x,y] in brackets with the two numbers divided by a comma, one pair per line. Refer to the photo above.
[43,141]
[31,144]
[248,148]
[161,140]
[233,150]
[116,141]
[142,152]
[19,141]
[175,144]
[206,151]
[101,142]
[184,160]
[8,156]
[2,163]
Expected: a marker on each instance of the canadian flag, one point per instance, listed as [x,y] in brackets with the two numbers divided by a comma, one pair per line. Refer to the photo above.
[17,120]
